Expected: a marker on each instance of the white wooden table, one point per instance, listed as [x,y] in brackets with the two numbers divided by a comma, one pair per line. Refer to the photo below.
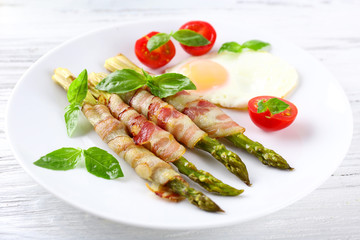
[328,29]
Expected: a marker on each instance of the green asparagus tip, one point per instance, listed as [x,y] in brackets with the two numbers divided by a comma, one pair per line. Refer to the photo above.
[228,158]
[195,197]
[265,155]
[205,179]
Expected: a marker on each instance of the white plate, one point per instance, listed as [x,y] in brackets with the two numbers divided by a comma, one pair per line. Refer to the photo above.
[314,145]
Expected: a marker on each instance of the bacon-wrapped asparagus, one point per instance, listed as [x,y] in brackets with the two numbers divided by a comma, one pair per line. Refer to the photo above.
[157,140]
[162,143]
[167,183]
[184,130]
[209,118]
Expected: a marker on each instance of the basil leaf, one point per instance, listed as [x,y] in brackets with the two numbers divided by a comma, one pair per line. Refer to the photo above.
[168,84]
[157,41]
[276,106]
[71,117]
[255,44]
[97,161]
[102,164]
[122,81]
[146,75]
[78,88]
[61,159]
[237,48]
[231,47]
[190,38]
[262,106]
[163,85]
[154,88]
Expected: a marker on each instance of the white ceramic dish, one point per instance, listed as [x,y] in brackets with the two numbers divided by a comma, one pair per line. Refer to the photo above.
[314,145]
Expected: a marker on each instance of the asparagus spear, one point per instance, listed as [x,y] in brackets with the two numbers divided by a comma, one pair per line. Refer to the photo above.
[229,159]
[177,185]
[193,196]
[265,155]
[203,178]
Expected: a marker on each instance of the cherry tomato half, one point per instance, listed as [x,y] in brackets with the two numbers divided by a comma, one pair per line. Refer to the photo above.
[158,57]
[204,29]
[268,121]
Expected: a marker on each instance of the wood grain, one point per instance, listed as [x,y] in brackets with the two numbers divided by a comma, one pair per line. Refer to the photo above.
[327,29]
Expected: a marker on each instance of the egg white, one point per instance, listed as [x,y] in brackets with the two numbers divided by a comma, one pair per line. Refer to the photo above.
[250,74]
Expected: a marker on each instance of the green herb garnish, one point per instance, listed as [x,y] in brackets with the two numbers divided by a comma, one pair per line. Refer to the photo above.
[157,41]
[71,118]
[184,36]
[102,164]
[61,159]
[274,105]
[78,89]
[163,85]
[190,38]
[98,162]
[76,95]
[238,48]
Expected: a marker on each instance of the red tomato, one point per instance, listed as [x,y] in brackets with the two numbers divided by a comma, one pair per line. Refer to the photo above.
[266,120]
[204,29]
[158,57]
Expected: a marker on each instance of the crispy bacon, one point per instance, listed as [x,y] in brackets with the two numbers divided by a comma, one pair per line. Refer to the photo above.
[167,117]
[206,115]
[210,118]
[145,132]
[146,164]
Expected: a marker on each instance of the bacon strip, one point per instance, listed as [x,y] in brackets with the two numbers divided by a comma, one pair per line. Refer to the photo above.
[145,132]
[206,115]
[162,114]
[145,163]
[165,116]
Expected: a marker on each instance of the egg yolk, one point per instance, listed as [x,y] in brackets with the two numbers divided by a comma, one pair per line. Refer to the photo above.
[205,74]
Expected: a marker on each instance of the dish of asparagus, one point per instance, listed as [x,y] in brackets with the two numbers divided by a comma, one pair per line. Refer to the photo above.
[160,141]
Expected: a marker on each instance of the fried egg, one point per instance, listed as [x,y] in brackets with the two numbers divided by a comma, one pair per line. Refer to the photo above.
[232,79]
